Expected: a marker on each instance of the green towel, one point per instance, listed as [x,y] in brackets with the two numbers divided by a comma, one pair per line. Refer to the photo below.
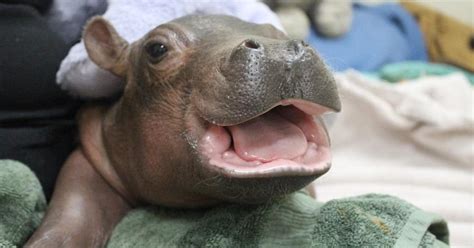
[409,70]
[295,221]
[22,203]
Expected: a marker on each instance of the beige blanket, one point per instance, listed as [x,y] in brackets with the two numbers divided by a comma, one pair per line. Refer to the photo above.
[413,140]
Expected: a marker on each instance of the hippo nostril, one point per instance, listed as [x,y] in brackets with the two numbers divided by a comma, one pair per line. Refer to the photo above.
[298,46]
[252,44]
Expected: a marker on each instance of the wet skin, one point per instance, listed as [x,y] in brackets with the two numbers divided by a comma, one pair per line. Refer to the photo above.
[183,133]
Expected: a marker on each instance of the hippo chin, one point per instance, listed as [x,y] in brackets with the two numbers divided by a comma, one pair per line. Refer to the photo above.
[214,109]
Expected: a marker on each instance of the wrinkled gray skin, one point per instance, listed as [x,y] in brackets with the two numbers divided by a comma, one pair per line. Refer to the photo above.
[144,148]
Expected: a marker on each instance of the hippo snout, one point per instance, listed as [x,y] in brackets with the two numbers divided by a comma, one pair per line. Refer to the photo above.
[259,73]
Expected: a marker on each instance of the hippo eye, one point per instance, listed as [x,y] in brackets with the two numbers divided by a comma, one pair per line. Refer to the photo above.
[156,51]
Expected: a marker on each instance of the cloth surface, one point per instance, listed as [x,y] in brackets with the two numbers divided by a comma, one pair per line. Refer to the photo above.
[22,203]
[133,19]
[448,40]
[413,140]
[36,117]
[403,71]
[379,35]
[67,17]
[295,221]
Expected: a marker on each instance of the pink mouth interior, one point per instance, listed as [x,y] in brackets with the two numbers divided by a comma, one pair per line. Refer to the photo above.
[283,141]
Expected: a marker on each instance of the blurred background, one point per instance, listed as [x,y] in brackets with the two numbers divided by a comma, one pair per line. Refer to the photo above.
[459,9]
[366,35]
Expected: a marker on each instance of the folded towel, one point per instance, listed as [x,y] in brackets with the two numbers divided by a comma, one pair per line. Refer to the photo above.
[413,140]
[22,203]
[67,18]
[133,19]
[294,221]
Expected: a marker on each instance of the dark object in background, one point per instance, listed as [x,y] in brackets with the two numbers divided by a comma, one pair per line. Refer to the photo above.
[471,42]
[36,116]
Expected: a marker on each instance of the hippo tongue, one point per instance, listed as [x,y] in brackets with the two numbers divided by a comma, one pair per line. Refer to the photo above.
[268,137]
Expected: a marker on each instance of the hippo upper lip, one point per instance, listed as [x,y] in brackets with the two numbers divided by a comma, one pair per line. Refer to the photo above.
[232,108]
[306,106]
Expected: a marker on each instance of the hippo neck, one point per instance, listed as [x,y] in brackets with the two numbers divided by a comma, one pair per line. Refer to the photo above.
[93,135]
[121,133]
[113,128]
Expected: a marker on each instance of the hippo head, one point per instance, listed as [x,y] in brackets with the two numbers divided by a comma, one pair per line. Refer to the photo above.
[214,108]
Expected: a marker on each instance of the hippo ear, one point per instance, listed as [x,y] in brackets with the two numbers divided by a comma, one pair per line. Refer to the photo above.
[105,46]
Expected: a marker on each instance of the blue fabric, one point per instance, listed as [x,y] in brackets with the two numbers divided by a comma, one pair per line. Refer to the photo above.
[379,35]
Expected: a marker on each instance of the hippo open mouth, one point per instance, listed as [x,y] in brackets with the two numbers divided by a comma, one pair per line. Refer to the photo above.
[288,140]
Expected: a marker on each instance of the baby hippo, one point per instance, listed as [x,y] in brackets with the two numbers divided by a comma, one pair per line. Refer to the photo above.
[214,109]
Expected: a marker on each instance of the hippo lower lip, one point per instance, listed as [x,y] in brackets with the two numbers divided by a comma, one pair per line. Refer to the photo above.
[288,140]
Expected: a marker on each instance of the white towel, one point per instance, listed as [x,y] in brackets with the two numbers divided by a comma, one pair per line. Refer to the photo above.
[133,19]
[414,140]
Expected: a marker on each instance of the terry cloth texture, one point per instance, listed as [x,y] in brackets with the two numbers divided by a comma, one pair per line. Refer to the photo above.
[413,140]
[22,203]
[448,40]
[295,221]
[36,116]
[133,19]
[67,17]
[380,34]
[408,70]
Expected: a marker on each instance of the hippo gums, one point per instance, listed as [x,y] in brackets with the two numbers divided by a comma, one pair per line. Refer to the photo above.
[214,109]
